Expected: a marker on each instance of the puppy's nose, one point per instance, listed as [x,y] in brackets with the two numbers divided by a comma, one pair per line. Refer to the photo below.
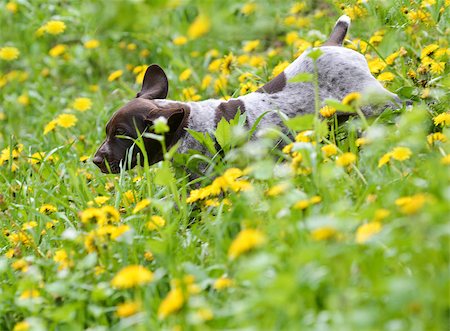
[98,160]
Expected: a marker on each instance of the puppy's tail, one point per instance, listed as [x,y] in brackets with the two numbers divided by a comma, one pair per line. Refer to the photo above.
[339,31]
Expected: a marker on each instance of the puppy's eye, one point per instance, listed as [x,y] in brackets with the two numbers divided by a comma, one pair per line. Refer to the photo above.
[120,132]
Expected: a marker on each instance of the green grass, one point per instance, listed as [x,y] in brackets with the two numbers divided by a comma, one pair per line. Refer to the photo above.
[307,268]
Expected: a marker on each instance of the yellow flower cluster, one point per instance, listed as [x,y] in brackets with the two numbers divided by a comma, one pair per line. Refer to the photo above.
[9,53]
[132,276]
[52,27]
[8,154]
[398,153]
[367,231]
[177,296]
[229,181]
[411,204]
[101,216]
[62,120]
[432,59]
[305,203]
[245,241]
[199,27]
[82,104]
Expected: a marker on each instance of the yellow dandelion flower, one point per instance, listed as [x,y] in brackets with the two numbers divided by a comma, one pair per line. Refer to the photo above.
[141,205]
[37,158]
[436,137]
[367,231]
[411,204]
[361,142]
[91,44]
[148,256]
[246,240]
[227,63]
[132,276]
[386,77]
[205,314]
[47,209]
[392,57]
[427,50]
[401,153]
[257,61]
[93,215]
[181,40]
[251,45]
[22,326]
[291,37]
[57,50]
[329,150]
[82,104]
[297,8]
[351,98]
[173,302]
[288,148]
[66,120]
[12,7]
[20,265]
[346,159]
[304,136]
[127,309]
[279,68]
[302,204]
[437,68]
[115,75]
[29,294]
[223,283]
[443,118]
[327,111]
[185,75]
[155,223]
[376,65]
[190,94]
[277,189]
[131,47]
[199,27]
[248,8]
[29,225]
[24,100]
[101,200]
[324,233]
[381,214]
[446,160]
[214,66]
[206,82]
[129,197]
[384,159]
[9,53]
[55,27]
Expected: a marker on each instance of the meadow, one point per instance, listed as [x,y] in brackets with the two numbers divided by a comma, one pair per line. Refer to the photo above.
[346,227]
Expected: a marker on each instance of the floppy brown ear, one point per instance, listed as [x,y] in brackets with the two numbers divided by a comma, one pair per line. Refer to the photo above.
[155,84]
[177,119]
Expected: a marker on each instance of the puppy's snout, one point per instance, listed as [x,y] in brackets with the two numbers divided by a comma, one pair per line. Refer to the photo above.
[98,160]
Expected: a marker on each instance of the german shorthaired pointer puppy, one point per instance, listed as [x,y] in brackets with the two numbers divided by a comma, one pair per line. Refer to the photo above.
[340,72]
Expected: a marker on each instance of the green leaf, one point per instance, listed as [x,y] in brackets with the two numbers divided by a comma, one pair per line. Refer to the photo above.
[315,54]
[301,123]
[302,77]
[204,139]
[339,106]
[164,175]
[223,134]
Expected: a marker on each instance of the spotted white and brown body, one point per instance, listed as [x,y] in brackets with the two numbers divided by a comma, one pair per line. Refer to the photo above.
[340,72]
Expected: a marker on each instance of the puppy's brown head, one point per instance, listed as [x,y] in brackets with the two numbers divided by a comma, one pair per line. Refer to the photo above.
[137,117]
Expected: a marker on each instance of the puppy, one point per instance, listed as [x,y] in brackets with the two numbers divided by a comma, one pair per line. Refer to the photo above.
[340,72]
